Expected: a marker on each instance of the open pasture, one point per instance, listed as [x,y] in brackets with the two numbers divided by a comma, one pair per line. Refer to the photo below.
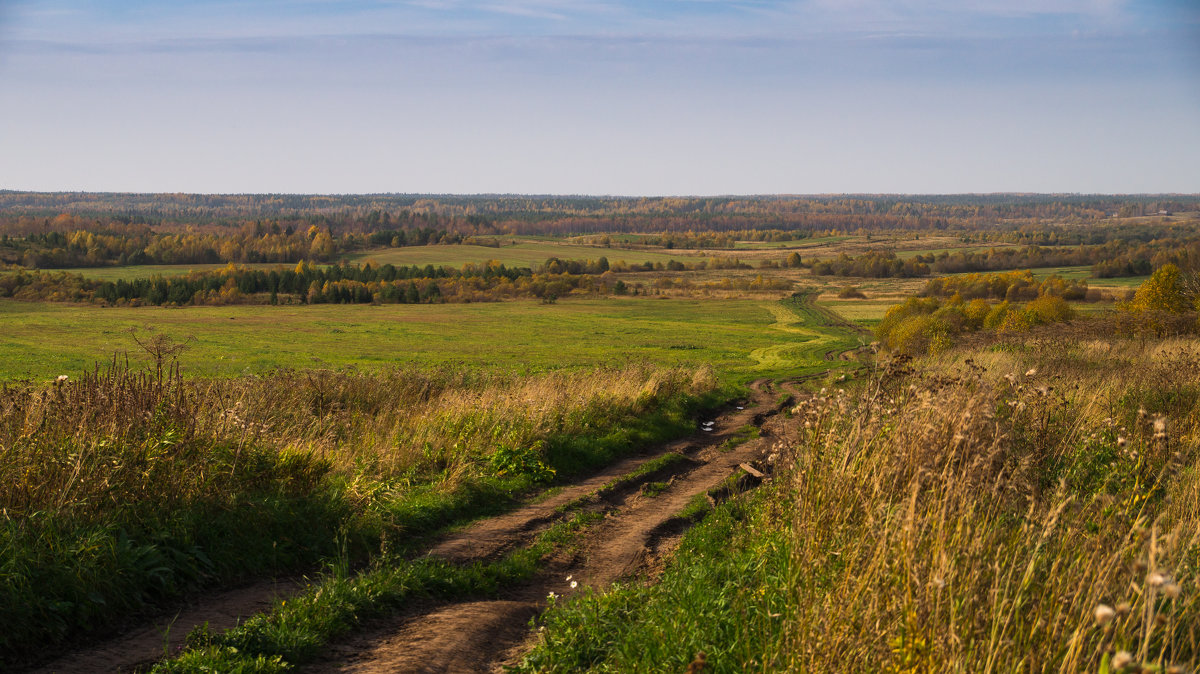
[514,252]
[43,340]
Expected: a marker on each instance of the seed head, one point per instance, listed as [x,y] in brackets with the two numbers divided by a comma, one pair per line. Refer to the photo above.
[1124,608]
[1031,372]
[1171,590]
[1155,579]
[1121,660]
[1160,428]
[1103,614]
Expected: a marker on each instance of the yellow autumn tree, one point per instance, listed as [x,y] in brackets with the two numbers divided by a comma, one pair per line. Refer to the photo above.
[1163,291]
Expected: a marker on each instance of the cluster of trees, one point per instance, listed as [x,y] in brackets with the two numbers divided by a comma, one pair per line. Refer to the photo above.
[1115,257]
[1166,303]
[103,244]
[872,264]
[928,325]
[1014,286]
[353,284]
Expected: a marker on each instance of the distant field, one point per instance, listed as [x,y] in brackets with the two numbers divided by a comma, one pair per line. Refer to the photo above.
[865,312]
[43,340]
[523,254]
[771,245]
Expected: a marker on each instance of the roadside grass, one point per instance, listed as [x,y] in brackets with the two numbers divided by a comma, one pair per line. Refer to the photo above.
[712,597]
[129,489]
[44,340]
[740,437]
[1011,506]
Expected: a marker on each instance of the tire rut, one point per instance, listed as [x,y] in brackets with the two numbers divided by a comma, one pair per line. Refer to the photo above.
[636,531]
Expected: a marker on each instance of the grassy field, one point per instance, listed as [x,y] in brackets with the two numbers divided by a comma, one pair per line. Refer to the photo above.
[43,340]
[523,254]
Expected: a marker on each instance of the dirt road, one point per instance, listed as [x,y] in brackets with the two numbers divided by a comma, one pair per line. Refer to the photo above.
[639,525]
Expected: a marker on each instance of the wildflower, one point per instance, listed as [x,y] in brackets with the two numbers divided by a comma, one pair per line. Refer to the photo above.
[574,584]
[1104,614]
[1124,608]
[1121,659]
[570,576]
[1171,590]
[61,378]
[1121,441]
[1031,372]
[1160,428]
[552,596]
[1155,579]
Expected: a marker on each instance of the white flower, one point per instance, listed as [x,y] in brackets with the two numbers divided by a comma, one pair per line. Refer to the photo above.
[551,596]
[574,584]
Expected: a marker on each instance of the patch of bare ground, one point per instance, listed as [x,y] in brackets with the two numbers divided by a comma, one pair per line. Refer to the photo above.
[639,527]
[141,647]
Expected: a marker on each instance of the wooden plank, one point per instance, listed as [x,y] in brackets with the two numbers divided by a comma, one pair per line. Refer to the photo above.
[751,469]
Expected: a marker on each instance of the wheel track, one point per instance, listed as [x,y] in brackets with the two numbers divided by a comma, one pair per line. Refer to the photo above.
[636,531]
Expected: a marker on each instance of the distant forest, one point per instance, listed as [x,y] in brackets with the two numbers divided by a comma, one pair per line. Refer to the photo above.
[1118,235]
[559,215]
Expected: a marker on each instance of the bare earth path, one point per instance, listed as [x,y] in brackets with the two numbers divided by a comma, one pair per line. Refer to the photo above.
[637,529]
[146,644]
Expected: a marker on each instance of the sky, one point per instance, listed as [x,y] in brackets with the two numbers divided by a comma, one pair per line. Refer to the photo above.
[623,97]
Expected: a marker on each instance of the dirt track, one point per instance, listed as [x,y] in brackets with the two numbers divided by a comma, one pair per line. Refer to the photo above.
[482,635]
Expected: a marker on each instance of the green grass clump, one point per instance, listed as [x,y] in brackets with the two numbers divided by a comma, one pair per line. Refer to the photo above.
[723,594]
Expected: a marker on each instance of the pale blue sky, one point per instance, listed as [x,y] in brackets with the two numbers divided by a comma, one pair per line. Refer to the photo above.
[616,97]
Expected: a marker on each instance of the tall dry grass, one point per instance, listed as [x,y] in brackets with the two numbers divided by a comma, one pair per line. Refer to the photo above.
[1025,507]
[124,488]
[116,436]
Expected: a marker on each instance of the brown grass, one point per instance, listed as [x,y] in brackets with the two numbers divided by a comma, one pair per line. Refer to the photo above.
[973,517]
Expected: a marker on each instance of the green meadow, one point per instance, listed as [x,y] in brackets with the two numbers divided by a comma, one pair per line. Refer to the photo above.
[522,253]
[742,339]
